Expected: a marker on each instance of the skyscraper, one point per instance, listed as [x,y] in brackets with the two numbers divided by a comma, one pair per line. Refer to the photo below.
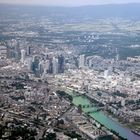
[61,64]
[41,67]
[50,66]
[46,66]
[117,55]
[35,64]
[23,53]
[17,51]
[81,61]
[55,65]
[28,50]
[29,63]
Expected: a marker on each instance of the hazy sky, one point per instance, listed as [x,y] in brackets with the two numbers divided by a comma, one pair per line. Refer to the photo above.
[68,2]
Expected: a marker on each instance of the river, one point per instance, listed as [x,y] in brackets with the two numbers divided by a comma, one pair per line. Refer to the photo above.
[101,117]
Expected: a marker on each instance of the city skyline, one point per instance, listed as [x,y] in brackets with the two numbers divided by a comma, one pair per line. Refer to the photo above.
[69,71]
[67,3]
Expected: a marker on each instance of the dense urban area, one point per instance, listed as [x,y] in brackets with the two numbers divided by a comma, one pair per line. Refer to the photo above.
[65,78]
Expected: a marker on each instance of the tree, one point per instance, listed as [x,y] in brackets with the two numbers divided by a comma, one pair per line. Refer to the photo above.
[51,136]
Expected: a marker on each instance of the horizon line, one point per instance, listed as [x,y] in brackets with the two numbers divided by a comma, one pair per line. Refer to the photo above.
[67,6]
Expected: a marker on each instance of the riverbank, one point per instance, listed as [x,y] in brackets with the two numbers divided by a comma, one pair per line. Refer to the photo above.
[103,118]
[131,126]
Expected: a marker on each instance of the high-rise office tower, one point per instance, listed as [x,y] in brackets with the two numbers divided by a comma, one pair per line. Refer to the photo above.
[81,61]
[9,52]
[55,65]
[28,50]
[117,57]
[23,54]
[50,66]
[46,66]
[41,67]
[61,64]
[17,51]
[35,64]
[29,63]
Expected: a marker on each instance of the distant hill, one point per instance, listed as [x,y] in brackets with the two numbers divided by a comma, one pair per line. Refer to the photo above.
[106,11]
[101,11]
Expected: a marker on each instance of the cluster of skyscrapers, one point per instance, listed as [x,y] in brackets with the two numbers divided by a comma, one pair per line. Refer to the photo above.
[51,65]
[37,63]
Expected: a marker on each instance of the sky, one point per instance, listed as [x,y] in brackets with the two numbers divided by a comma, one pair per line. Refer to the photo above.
[68,2]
